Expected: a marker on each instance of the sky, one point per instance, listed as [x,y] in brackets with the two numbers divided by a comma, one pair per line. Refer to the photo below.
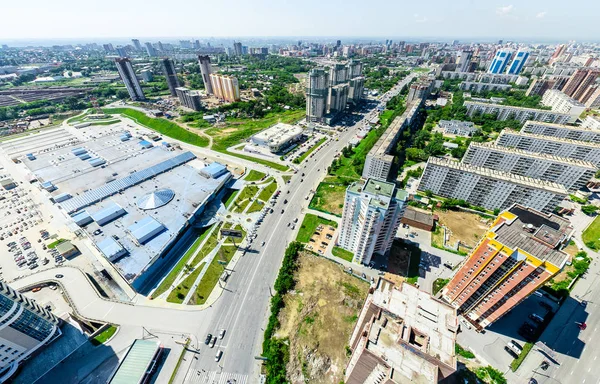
[527,20]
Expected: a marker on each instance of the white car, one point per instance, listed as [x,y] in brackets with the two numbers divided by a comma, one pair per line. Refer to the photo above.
[218,356]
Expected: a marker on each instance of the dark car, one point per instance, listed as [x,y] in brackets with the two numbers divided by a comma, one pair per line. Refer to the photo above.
[59,276]
[208,339]
[511,352]
[545,305]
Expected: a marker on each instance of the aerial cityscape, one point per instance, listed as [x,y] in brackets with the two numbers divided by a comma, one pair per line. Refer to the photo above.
[356,200]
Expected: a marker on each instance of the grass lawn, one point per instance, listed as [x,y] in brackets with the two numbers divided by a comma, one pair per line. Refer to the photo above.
[268,191]
[438,284]
[168,281]
[309,225]
[180,292]
[329,197]
[213,274]
[104,335]
[236,131]
[243,198]
[516,363]
[107,122]
[211,243]
[79,118]
[342,253]
[286,178]
[254,175]
[346,167]
[164,126]
[256,206]
[310,150]
[53,244]
[229,197]
[591,235]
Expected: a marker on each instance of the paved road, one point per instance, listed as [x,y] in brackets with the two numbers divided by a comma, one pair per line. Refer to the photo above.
[243,308]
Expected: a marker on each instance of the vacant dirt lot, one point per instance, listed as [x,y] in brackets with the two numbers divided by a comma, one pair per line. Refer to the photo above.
[464,226]
[318,318]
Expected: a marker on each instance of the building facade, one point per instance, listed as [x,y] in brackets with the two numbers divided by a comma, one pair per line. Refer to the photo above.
[225,87]
[591,122]
[129,78]
[572,174]
[500,61]
[580,81]
[519,60]
[560,102]
[168,68]
[519,254]
[507,112]
[488,188]
[26,327]
[316,95]
[571,149]
[370,220]
[189,99]
[205,71]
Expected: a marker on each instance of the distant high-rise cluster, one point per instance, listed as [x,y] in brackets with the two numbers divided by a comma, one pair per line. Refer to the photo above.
[328,93]
[129,78]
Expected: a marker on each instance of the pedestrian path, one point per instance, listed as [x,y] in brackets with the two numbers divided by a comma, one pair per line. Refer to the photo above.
[214,377]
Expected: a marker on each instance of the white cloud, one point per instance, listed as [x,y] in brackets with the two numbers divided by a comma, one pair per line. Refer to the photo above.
[420,19]
[541,15]
[504,11]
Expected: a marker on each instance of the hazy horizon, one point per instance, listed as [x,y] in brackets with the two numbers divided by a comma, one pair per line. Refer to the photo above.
[113,20]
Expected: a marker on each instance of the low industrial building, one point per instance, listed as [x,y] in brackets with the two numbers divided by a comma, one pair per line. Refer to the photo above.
[67,250]
[457,127]
[403,335]
[146,200]
[488,188]
[418,219]
[139,363]
[278,137]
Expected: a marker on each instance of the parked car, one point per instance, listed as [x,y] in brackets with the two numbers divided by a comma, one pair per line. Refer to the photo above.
[511,352]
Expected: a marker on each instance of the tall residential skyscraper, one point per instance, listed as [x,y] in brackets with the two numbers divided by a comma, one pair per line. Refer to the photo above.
[372,213]
[205,71]
[580,81]
[128,76]
[171,76]
[500,60]
[136,44]
[463,61]
[225,87]
[520,252]
[150,50]
[316,95]
[558,53]
[190,99]
[237,48]
[519,60]
[26,327]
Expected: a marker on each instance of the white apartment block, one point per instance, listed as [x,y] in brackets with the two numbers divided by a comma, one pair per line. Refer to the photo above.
[379,159]
[591,122]
[493,78]
[370,220]
[572,174]
[562,103]
[571,149]
[488,188]
[479,86]
[585,132]
[508,112]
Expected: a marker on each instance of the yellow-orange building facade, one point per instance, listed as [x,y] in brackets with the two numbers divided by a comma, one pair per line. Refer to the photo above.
[225,87]
[518,254]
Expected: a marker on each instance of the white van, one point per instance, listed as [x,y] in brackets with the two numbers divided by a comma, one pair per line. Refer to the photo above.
[515,347]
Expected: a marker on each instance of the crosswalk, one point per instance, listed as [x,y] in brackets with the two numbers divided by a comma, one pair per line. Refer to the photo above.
[214,377]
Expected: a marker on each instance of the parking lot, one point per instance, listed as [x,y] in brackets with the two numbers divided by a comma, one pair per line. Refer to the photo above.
[321,238]
[491,344]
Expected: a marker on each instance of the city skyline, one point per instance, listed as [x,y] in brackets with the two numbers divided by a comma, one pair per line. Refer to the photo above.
[498,19]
